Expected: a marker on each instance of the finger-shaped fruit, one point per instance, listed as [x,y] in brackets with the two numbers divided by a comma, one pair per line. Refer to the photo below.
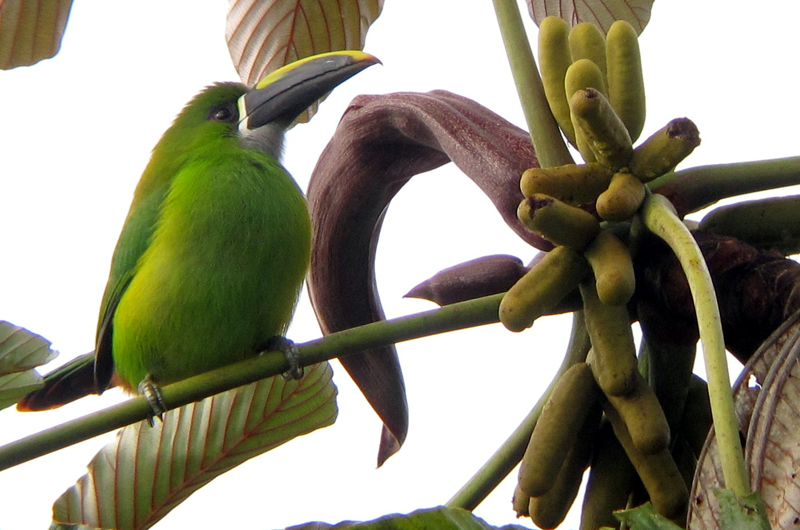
[557,221]
[548,281]
[696,421]
[554,59]
[556,432]
[613,271]
[671,359]
[624,76]
[769,223]
[665,149]
[582,144]
[658,472]
[622,199]
[583,74]
[611,479]
[575,184]
[604,131]
[613,354]
[643,417]
[550,509]
[520,502]
[586,41]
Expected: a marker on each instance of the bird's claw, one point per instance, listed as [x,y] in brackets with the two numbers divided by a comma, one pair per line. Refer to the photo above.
[150,391]
[290,353]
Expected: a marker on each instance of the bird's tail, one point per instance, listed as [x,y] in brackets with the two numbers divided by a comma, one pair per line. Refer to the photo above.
[68,383]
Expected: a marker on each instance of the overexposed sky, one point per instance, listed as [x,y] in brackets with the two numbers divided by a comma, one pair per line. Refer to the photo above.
[77,131]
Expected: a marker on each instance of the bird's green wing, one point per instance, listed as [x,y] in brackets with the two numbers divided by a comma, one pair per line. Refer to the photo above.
[133,242]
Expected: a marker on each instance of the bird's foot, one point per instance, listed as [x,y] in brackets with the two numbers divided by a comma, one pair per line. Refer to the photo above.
[152,393]
[289,350]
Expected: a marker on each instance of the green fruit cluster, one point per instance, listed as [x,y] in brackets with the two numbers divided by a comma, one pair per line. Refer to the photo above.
[572,59]
[602,414]
[595,89]
[623,439]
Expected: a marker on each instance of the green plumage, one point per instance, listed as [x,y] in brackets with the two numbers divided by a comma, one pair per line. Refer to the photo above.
[216,244]
[211,260]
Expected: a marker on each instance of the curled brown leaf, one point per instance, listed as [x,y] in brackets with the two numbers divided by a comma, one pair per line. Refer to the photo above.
[380,143]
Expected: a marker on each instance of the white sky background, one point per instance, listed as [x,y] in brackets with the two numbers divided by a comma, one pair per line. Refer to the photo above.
[77,130]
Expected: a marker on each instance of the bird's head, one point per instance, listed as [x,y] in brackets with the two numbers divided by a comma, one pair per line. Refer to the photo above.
[258,117]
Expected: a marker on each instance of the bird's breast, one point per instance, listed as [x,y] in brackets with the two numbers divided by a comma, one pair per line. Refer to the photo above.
[221,274]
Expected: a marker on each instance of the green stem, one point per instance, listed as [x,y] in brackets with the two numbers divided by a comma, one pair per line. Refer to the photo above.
[660,217]
[545,134]
[698,187]
[448,318]
[508,455]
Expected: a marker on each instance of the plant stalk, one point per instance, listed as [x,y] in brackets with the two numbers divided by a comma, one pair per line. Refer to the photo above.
[448,318]
[660,217]
[549,145]
[698,187]
[509,454]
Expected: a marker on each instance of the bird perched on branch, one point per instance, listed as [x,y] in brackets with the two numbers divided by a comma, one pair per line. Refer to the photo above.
[216,245]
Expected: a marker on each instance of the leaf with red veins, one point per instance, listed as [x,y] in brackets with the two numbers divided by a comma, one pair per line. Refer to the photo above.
[138,478]
[264,35]
[602,13]
[31,31]
[381,142]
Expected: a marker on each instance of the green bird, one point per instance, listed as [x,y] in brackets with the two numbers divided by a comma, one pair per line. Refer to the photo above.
[216,245]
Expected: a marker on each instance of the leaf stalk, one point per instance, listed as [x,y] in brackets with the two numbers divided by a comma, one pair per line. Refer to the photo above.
[660,218]
[509,454]
[549,145]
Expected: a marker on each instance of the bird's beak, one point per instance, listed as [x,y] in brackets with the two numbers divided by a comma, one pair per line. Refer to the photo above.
[285,93]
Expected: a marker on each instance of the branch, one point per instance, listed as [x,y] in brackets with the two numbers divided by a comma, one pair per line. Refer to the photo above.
[695,188]
[449,318]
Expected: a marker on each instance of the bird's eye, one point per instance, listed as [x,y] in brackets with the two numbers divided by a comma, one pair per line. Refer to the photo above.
[225,113]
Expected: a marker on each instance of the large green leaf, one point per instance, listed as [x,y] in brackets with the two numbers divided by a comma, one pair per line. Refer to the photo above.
[20,352]
[645,517]
[31,30]
[136,480]
[602,13]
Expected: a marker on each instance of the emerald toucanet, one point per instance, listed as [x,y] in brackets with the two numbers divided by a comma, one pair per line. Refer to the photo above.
[216,244]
